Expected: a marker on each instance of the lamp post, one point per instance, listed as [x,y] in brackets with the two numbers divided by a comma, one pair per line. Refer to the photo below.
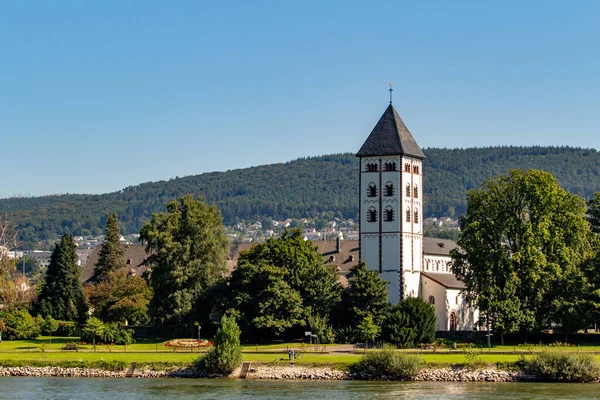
[199,327]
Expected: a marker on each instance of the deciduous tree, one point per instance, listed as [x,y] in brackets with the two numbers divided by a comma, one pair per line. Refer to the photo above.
[187,248]
[521,245]
[365,295]
[260,296]
[121,298]
[304,268]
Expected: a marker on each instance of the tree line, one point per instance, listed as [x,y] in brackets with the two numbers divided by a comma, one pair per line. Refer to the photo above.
[279,289]
[306,187]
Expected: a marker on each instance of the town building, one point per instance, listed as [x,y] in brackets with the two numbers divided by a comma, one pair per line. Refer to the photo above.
[391,225]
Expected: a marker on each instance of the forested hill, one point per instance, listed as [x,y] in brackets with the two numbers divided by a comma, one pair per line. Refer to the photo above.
[302,188]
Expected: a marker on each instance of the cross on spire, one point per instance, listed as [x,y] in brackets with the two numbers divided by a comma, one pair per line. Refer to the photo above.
[391,90]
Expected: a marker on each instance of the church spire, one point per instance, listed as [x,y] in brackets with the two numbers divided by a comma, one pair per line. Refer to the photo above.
[390,137]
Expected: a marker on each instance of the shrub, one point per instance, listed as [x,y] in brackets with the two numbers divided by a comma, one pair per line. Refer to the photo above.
[49,325]
[226,354]
[473,359]
[66,328]
[515,366]
[564,367]
[367,329]
[114,333]
[92,331]
[346,335]
[388,362]
[111,333]
[21,325]
[410,322]
[319,326]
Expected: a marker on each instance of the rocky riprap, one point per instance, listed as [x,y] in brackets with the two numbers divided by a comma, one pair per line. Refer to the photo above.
[295,372]
[466,375]
[99,373]
[289,372]
[59,371]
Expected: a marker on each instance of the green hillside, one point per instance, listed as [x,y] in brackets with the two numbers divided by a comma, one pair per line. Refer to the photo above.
[301,188]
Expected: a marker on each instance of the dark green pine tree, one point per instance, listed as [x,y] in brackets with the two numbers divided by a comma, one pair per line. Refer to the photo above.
[112,255]
[365,295]
[62,295]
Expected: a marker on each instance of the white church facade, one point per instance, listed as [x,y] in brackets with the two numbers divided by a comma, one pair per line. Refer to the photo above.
[391,225]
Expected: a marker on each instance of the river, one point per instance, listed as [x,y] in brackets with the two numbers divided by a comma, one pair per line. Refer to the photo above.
[123,389]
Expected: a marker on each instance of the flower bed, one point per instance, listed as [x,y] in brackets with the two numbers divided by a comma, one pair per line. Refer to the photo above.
[187,343]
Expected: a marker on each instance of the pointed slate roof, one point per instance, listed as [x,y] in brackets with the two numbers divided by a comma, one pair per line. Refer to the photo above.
[389,137]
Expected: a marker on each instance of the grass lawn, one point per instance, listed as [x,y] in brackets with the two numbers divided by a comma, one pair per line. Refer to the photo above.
[56,344]
[153,350]
[127,357]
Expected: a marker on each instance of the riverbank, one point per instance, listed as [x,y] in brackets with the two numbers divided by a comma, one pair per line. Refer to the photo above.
[295,372]
[276,372]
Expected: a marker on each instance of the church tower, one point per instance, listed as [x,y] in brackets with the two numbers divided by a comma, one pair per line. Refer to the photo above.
[391,205]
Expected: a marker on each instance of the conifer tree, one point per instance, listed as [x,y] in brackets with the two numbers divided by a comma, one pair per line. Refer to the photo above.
[62,295]
[111,257]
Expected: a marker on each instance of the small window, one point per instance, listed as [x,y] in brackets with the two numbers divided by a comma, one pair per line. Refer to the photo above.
[407,190]
[431,300]
[389,214]
[372,190]
[407,215]
[390,166]
[406,167]
[416,219]
[416,169]
[389,189]
[372,214]
[416,192]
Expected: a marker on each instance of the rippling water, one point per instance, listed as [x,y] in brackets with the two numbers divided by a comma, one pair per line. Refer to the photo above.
[96,389]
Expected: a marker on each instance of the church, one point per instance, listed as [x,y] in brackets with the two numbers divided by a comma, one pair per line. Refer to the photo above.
[391,225]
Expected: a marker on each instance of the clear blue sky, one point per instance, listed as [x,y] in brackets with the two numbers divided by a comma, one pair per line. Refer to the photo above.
[97,96]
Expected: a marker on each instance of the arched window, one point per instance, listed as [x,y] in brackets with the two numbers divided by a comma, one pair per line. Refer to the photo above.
[389,166]
[406,167]
[372,190]
[372,167]
[416,169]
[416,219]
[407,215]
[407,190]
[431,300]
[416,192]
[372,214]
[389,214]
[452,321]
[389,189]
